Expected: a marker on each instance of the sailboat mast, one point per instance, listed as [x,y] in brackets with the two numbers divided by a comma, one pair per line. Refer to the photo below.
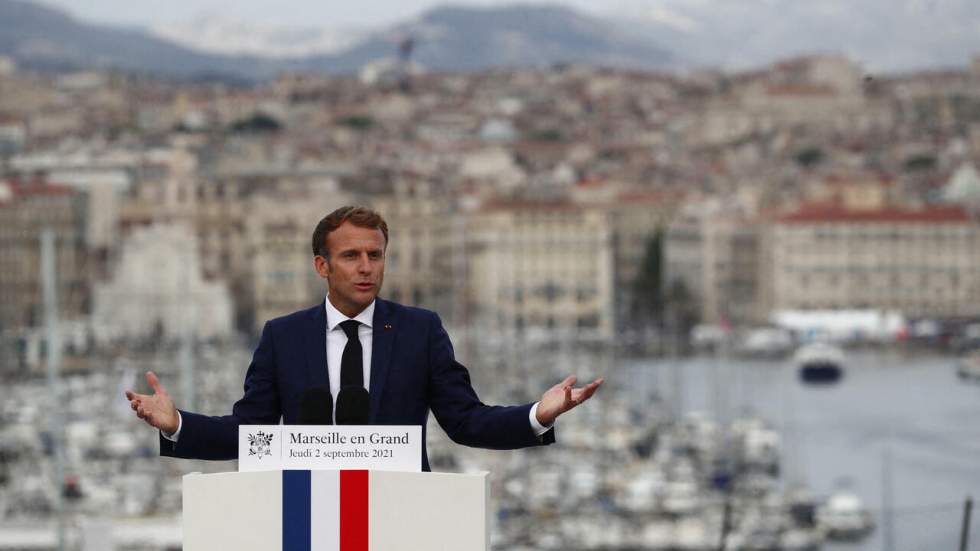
[49,292]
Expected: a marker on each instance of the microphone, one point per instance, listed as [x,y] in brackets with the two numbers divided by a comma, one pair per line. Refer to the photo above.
[316,407]
[352,405]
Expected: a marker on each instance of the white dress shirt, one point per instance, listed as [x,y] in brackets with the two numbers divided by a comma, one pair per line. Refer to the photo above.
[336,341]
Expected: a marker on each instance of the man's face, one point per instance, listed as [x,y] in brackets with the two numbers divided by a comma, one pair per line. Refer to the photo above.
[355,269]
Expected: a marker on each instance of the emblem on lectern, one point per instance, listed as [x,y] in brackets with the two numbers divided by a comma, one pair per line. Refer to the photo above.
[260,444]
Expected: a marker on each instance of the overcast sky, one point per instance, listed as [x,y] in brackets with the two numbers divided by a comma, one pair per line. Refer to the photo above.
[325,13]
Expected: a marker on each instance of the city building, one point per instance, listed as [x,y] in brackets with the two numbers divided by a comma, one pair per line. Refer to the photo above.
[158,292]
[716,255]
[923,262]
[28,208]
[541,267]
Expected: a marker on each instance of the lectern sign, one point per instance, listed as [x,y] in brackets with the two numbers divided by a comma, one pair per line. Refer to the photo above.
[316,447]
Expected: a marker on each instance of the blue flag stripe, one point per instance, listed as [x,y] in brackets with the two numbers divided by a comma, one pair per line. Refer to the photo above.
[296,511]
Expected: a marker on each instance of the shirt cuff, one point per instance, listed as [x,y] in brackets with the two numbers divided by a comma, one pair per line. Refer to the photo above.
[173,437]
[537,427]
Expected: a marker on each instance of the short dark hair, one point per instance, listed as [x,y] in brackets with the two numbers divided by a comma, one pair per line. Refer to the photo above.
[363,217]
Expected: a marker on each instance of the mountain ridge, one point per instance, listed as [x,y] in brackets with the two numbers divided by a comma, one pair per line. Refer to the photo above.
[881,35]
[447,38]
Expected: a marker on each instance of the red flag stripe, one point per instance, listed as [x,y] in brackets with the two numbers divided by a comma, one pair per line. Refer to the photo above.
[353,510]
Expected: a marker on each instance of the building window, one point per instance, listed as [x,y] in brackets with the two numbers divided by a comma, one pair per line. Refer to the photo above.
[588,322]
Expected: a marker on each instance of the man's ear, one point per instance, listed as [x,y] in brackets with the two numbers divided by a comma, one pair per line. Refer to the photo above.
[322,266]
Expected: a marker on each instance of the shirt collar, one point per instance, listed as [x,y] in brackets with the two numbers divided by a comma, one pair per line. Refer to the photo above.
[335,317]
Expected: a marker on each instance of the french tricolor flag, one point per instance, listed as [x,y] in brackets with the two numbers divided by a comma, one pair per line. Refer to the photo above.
[335,510]
[325,510]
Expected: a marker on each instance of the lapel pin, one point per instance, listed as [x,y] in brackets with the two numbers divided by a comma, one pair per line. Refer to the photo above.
[387,326]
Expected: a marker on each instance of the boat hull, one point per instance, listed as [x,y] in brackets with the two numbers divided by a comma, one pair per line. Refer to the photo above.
[821,373]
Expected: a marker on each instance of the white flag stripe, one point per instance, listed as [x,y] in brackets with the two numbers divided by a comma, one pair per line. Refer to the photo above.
[325,511]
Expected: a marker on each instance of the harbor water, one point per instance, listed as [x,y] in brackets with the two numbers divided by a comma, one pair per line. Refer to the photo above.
[899,430]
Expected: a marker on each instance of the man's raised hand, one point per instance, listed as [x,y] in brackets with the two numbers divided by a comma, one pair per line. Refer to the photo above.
[156,409]
[563,397]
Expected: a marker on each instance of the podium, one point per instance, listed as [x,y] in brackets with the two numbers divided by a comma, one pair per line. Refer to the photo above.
[338,510]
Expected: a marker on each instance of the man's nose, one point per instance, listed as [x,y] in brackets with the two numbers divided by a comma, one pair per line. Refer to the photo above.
[363,263]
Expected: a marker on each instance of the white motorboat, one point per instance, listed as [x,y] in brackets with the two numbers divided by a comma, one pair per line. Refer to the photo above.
[969,366]
[765,342]
[820,363]
[844,517]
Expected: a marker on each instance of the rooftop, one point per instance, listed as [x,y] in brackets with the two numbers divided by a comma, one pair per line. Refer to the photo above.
[820,213]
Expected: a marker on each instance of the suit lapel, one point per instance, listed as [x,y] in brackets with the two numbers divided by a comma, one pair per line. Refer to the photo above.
[383,337]
[316,349]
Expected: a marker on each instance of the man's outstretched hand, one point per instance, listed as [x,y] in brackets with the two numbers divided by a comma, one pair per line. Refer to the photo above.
[563,397]
[156,409]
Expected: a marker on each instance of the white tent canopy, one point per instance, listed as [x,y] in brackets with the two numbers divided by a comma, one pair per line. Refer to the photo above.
[841,325]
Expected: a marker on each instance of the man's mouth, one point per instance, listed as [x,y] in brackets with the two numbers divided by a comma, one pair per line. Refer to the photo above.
[364,286]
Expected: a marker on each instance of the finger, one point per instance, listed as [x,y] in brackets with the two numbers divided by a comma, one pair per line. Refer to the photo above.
[134,404]
[130,395]
[568,396]
[582,394]
[589,385]
[151,378]
[137,397]
[587,392]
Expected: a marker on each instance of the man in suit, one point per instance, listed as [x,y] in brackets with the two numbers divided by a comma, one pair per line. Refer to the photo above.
[400,365]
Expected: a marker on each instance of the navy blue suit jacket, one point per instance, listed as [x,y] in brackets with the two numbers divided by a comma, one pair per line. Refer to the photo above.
[413,370]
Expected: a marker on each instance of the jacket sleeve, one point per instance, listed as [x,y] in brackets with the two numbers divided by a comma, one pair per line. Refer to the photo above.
[216,437]
[460,412]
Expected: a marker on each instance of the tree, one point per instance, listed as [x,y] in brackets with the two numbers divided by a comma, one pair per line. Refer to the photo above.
[809,157]
[648,298]
[358,122]
[920,163]
[682,307]
[257,122]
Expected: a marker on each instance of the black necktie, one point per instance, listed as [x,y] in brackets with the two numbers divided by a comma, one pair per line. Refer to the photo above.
[352,400]
[351,364]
